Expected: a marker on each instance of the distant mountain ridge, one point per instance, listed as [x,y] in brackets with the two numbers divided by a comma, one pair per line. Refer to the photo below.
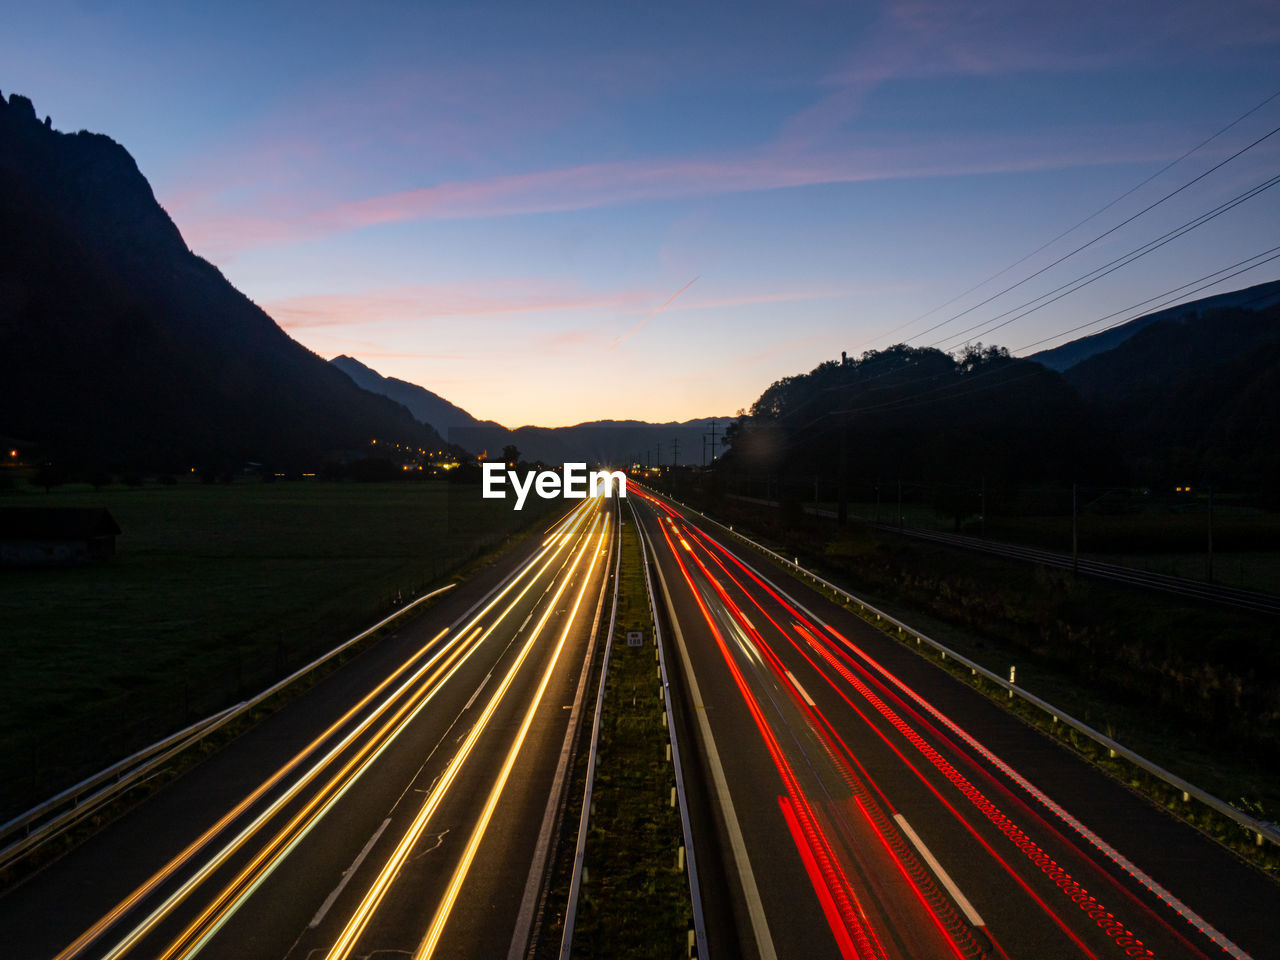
[1063,357]
[125,349]
[597,441]
[427,407]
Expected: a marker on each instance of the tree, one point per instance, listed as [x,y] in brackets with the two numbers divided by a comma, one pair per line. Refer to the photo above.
[510,453]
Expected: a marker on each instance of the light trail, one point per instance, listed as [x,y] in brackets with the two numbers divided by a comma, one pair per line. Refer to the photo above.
[363,913]
[1117,932]
[429,943]
[572,522]
[852,915]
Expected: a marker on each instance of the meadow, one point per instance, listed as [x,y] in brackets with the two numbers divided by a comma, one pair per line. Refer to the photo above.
[215,591]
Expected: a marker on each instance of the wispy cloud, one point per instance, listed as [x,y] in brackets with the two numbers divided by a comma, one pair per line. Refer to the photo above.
[425,302]
[627,182]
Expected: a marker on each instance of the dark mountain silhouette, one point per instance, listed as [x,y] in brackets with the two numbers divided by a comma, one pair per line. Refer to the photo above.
[1067,355]
[123,348]
[919,413]
[427,407]
[615,442]
[1189,395]
[1195,397]
[599,441]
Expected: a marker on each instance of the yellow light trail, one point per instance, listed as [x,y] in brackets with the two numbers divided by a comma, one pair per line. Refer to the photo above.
[177,862]
[288,837]
[428,946]
[318,805]
[360,918]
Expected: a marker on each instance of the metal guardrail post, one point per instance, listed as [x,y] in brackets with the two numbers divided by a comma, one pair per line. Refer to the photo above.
[584,820]
[695,890]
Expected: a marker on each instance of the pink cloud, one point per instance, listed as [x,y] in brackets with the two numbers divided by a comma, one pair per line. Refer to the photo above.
[409,303]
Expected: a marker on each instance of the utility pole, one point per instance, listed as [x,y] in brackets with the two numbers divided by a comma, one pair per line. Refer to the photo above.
[1075,539]
[982,506]
[1210,571]
[842,493]
[675,452]
[713,440]
[658,458]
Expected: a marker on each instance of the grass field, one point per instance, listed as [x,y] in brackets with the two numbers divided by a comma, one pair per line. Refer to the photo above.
[215,591]
[1246,542]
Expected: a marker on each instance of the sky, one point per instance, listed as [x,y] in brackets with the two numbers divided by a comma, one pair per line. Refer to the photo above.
[557,212]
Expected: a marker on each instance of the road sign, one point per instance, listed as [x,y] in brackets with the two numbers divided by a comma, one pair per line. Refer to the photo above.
[635,638]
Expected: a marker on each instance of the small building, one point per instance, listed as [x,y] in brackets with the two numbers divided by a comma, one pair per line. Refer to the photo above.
[56,536]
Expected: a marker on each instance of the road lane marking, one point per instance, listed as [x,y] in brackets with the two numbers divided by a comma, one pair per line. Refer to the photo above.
[961,900]
[478,689]
[538,866]
[738,846]
[801,690]
[126,905]
[346,877]
[427,948]
[360,919]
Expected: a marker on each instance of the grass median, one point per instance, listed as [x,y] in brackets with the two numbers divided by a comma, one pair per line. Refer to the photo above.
[635,900]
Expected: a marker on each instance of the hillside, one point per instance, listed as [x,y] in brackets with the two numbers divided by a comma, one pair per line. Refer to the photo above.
[1195,399]
[126,349]
[426,407]
[598,441]
[1066,356]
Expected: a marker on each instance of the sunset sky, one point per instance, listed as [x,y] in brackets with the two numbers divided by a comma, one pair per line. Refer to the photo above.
[496,201]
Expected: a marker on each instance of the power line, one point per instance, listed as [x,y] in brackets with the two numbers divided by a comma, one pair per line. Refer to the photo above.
[1143,303]
[1103,209]
[1107,268]
[1104,234]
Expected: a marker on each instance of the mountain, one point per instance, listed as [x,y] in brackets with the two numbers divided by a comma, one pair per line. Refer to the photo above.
[1067,355]
[1195,397]
[427,407]
[916,413]
[125,349]
[614,442]
[598,441]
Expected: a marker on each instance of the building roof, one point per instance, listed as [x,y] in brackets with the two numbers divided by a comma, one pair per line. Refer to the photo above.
[56,523]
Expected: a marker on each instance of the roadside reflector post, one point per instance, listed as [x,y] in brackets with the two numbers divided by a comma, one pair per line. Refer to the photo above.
[1013,673]
[680,858]
[673,796]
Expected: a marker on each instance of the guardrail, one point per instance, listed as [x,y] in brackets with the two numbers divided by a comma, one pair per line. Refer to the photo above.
[584,820]
[695,889]
[59,813]
[1261,829]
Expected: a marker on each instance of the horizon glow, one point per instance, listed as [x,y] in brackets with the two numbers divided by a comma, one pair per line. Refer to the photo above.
[509,205]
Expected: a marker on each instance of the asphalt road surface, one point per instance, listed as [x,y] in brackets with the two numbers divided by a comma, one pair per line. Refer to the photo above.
[402,807]
[866,804]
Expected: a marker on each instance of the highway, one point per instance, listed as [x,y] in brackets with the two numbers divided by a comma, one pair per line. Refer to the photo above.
[863,803]
[404,806]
